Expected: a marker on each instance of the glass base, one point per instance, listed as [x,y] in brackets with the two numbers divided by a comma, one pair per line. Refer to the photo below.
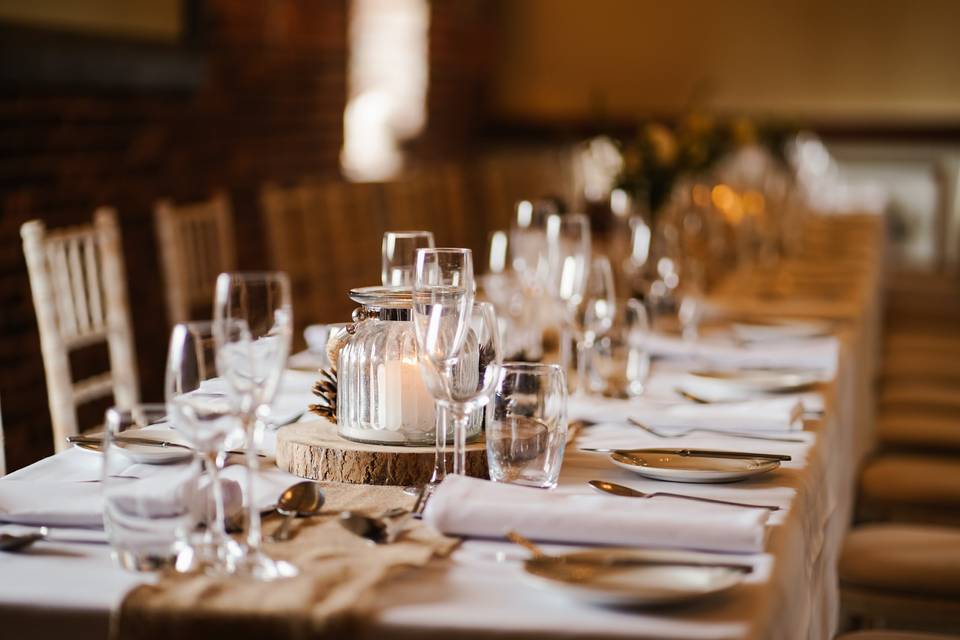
[216,560]
[259,566]
[133,561]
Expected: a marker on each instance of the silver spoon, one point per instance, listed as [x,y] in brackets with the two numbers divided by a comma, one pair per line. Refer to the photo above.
[10,542]
[733,434]
[382,529]
[301,500]
[627,492]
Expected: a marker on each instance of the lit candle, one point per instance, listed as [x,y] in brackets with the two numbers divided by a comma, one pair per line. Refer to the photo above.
[405,405]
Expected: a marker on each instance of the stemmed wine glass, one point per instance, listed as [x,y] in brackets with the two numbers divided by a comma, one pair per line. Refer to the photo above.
[400,256]
[568,242]
[475,375]
[251,360]
[448,345]
[200,409]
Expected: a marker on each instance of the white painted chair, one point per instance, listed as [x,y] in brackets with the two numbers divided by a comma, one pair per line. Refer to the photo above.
[80,295]
[196,244]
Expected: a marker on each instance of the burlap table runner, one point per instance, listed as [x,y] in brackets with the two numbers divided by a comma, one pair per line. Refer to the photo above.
[333,593]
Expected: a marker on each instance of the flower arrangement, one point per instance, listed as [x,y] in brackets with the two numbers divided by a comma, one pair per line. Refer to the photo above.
[660,154]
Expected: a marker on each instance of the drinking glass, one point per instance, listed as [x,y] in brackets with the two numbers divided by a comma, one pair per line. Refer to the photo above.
[619,362]
[253,322]
[206,416]
[568,242]
[595,315]
[443,294]
[400,256]
[527,424]
[150,511]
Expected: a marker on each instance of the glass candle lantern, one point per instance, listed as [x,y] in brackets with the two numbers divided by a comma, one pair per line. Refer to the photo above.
[381,396]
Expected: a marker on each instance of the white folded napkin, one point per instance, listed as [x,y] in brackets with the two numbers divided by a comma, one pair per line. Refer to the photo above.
[471,507]
[316,336]
[293,396]
[765,414]
[815,353]
[781,331]
[54,503]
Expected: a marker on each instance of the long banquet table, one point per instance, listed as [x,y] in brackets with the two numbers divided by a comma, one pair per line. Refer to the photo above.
[66,588]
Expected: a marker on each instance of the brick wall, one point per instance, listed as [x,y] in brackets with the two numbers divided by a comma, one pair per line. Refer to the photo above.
[269,108]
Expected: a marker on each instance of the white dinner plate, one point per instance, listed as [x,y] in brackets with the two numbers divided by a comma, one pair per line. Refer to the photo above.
[759,380]
[149,454]
[636,585]
[777,330]
[663,464]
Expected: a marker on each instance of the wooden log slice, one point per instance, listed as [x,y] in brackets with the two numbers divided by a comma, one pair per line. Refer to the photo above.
[314,450]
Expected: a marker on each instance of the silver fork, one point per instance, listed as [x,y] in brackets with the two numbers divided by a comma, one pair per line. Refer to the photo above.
[732,434]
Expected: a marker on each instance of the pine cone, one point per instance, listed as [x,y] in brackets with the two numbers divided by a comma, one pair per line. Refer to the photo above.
[326,389]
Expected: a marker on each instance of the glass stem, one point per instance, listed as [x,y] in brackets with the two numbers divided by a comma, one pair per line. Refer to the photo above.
[581,369]
[566,353]
[253,513]
[218,532]
[440,449]
[460,419]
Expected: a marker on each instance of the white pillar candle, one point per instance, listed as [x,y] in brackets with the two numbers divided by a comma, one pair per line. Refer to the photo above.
[404,403]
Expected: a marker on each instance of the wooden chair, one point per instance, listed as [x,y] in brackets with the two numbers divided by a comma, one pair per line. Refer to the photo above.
[196,244]
[326,236]
[80,296]
[432,199]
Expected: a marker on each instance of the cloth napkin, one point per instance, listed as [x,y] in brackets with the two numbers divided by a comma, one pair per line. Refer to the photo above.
[293,396]
[764,414]
[54,503]
[815,353]
[471,507]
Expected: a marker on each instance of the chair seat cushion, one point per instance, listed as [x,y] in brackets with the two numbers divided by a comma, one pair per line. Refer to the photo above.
[924,365]
[912,479]
[929,393]
[934,428]
[915,559]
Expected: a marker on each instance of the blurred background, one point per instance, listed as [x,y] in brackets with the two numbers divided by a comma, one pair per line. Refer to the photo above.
[124,102]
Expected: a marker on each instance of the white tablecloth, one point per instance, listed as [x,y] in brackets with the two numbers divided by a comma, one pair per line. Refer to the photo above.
[57,588]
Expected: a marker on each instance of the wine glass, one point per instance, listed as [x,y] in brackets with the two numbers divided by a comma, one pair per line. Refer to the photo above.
[443,292]
[200,409]
[568,243]
[514,303]
[253,322]
[475,375]
[595,315]
[400,256]
[691,295]
[619,360]
[528,242]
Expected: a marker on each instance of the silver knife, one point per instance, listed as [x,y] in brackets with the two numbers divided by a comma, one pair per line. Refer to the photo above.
[146,442]
[695,453]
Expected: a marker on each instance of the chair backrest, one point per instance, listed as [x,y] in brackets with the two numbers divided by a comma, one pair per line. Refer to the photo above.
[80,296]
[326,236]
[511,175]
[196,244]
